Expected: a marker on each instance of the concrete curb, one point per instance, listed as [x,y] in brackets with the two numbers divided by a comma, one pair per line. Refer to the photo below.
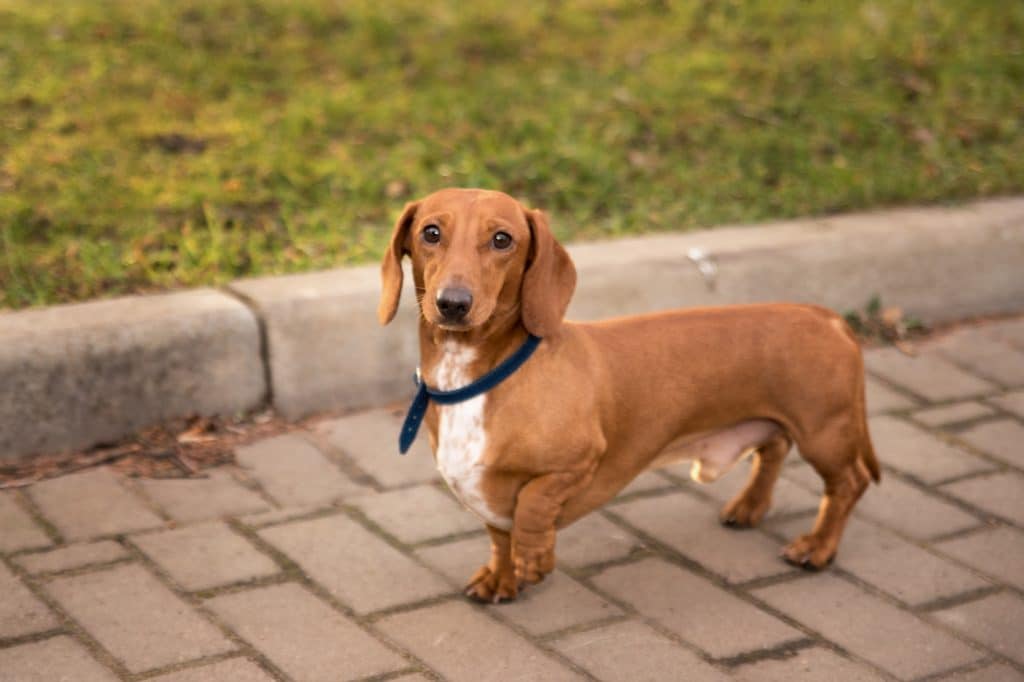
[81,374]
[77,375]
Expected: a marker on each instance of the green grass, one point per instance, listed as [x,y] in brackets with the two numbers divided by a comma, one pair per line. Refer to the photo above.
[147,144]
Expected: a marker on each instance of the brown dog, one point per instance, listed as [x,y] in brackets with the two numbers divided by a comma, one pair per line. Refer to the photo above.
[599,403]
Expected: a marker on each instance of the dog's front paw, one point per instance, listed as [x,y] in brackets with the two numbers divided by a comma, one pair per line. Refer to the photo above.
[811,552]
[532,564]
[492,587]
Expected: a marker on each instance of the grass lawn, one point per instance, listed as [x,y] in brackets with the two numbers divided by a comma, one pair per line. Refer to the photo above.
[148,144]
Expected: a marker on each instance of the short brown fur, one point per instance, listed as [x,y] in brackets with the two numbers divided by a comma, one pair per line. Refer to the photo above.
[599,402]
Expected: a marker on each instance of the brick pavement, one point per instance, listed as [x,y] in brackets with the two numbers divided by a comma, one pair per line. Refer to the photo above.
[325,556]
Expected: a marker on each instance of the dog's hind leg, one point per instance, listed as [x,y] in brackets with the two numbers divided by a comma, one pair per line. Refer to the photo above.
[752,503]
[836,457]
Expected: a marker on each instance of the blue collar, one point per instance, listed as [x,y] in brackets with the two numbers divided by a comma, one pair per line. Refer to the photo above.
[425,394]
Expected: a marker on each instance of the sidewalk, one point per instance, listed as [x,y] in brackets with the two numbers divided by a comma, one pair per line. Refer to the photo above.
[326,556]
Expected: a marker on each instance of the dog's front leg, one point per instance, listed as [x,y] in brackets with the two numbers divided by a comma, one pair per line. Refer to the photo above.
[495,581]
[538,506]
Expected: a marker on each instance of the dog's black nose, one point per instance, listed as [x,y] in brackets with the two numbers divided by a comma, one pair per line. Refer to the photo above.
[454,303]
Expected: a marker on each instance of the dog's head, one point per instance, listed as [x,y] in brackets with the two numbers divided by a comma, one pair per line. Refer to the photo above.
[479,258]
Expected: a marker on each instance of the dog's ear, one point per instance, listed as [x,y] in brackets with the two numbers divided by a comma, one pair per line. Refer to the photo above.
[549,280]
[391,266]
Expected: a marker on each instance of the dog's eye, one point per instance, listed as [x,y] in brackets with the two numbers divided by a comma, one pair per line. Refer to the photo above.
[501,240]
[431,234]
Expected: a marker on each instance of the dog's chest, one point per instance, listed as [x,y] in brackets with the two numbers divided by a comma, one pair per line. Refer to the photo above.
[461,436]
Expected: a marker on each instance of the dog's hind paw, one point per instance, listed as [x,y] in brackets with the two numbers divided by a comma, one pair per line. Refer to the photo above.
[489,587]
[742,512]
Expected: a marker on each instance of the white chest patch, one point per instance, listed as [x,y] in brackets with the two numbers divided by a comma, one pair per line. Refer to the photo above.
[461,438]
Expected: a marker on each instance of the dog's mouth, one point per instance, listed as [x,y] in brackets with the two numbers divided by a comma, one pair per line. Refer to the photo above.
[467,324]
[454,326]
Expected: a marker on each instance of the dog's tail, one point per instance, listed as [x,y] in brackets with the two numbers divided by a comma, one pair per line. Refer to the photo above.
[867,449]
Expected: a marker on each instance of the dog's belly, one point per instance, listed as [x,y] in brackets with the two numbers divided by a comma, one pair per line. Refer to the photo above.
[716,452]
[462,439]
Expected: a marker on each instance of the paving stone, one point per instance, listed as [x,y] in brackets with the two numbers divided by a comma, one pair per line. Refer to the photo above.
[801,473]
[694,608]
[787,497]
[557,603]
[913,450]
[998,552]
[593,539]
[136,618]
[1011,331]
[997,672]
[91,503]
[926,375]
[72,556]
[417,514]
[1003,438]
[867,626]
[808,665]
[1011,402]
[17,529]
[907,572]
[461,643]
[57,659]
[458,560]
[690,527]
[198,499]
[637,652]
[997,621]
[880,398]
[979,351]
[953,414]
[231,670]
[1001,495]
[646,482]
[294,472]
[370,439]
[911,511]
[303,636]
[354,565]
[20,612]
[205,556]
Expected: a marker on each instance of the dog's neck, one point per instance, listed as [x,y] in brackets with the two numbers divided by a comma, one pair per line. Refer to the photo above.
[479,351]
